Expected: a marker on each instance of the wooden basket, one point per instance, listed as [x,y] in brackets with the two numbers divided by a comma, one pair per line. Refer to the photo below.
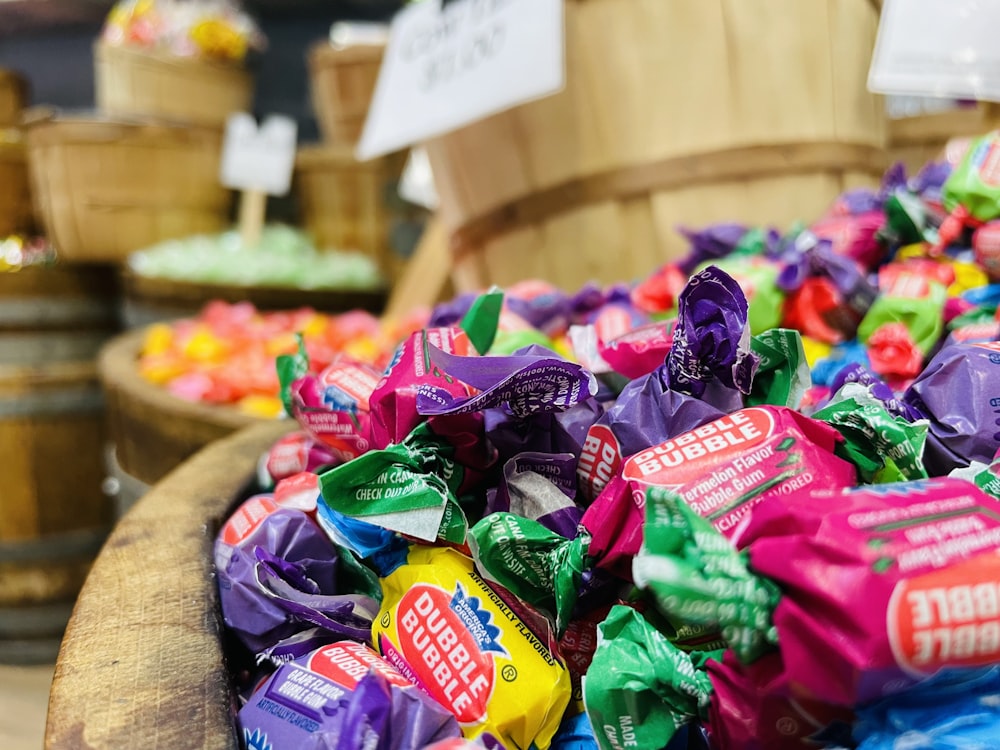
[53,513]
[674,112]
[153,431]
[918,140]
[13,97]
[105,189]
[148,620]
[348,204]
[15,194]
[149,299]
[136,83]
[342,82]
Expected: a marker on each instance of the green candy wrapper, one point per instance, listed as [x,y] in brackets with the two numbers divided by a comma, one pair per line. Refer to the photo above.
[480,322]
[972,191]
[910,299]
[697,577]
[537,565]
[410,487]
[758,278]
[884,448]
[783,375]
[640,689]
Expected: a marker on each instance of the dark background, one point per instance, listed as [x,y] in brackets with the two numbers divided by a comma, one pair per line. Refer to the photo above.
[50,41]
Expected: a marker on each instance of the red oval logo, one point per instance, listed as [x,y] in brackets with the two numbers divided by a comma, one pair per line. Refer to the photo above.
[446,656]
[709,444]
[346,663]
[247,518]
[600,459]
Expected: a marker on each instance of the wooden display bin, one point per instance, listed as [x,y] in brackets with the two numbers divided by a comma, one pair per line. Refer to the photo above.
[54,515]
[138,83]
[148,300]
[342,82]
[673,111]
[142,662]
[106,188]
[915,141]
[152,430]
[16,213]
[348,204]
[13,97]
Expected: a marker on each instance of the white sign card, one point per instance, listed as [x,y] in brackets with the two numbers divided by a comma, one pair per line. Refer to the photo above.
[258,159]
[942,48]
[416,185]
[445,67]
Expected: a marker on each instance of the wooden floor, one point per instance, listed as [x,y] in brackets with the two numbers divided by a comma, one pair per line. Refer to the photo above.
[24,696]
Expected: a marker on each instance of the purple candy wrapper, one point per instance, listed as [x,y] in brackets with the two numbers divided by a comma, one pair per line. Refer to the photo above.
[959,394]
[280,574]
[526,385]
[342,697]
[712,243]
[707,371]
[711,345]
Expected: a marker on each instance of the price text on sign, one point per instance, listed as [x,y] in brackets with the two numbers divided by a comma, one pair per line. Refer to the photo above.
[447,67]
[258,159]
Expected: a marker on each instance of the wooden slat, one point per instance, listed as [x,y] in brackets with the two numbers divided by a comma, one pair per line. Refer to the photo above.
[141,664]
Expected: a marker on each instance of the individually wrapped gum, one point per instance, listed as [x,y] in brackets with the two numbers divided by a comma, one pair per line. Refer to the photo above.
[922,556]
[447,631]
[340,697]
[279,574]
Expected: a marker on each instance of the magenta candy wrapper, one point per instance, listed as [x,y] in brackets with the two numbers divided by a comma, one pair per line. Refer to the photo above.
[883,586]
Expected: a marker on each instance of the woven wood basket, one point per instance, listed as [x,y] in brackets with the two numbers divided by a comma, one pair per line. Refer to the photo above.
[153,431]
[13,97]
[15,194]
[342,82]
[674,111]
[107,188]
[348,204]
[134,83]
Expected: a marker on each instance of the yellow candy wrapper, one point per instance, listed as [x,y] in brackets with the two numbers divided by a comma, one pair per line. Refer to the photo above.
[444,628]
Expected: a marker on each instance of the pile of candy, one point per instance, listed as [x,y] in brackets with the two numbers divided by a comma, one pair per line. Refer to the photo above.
[751,505]
[284,257]
[208,29]
[226,354]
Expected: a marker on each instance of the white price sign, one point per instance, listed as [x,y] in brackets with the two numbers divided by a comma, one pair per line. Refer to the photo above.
[942,48]
[445,67]
[258,159]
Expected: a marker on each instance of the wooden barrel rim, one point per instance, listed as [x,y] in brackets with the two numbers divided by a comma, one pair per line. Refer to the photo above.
[190,65]
[742,163]
[323,53]
[116,365]
[142,664]
[166,291]
[45,126]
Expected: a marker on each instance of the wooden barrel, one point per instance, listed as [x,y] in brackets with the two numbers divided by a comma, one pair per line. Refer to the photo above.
[152,430]
[348,204]
[674,112]
[53,513]
[107,188]
[914,141]
[15,195]
[13,97]
[138,83]
[148,300]
[142,662]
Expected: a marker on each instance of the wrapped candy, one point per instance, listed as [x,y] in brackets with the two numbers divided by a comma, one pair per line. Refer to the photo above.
[342,697]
